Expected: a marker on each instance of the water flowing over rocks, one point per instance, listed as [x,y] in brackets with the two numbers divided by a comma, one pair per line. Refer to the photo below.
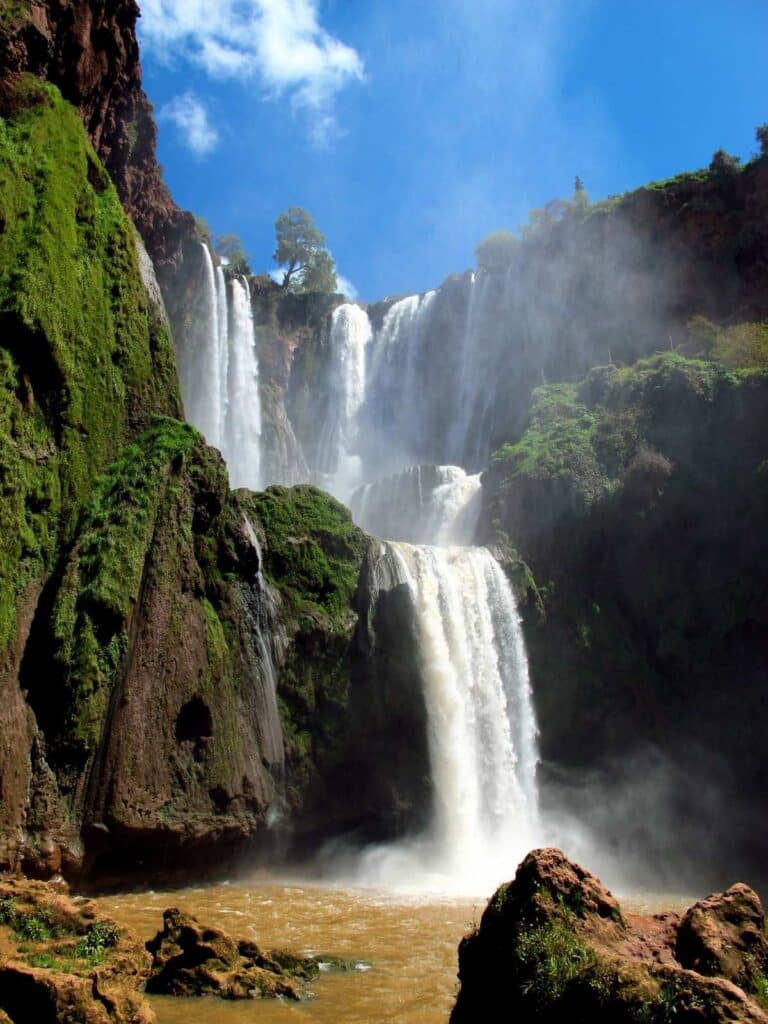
[553,944]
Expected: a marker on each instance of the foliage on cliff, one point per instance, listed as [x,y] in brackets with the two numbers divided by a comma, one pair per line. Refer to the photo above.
[639,499]
[84,361]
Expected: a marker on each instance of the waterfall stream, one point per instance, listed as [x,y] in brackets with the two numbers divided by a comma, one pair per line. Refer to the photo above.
[219,373]
[381,409]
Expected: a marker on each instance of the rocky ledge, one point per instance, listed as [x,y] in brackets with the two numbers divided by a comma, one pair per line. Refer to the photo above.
[190,959]
[59,961]
[554,945]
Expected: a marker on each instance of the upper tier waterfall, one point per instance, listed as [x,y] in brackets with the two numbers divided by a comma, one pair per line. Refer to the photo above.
[219,371]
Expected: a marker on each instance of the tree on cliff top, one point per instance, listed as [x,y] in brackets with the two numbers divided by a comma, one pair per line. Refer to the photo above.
[301,251]
[496,250]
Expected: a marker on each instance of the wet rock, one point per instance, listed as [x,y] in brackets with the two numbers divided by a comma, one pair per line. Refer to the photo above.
[190,959]
[553,945]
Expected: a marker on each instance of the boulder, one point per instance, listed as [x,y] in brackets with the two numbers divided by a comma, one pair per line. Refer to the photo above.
[724,935]
[190,959]
[61,961]
[553,945]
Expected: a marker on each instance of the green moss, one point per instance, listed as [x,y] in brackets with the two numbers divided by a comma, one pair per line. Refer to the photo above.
[550,958]
[313,550]
[101,585]
[13,10]
[83,359]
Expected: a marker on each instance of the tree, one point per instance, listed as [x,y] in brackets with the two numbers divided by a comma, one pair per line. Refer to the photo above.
[723,164]
[761,134]
[301,250]
[496,250]
[580,197]
[233,255]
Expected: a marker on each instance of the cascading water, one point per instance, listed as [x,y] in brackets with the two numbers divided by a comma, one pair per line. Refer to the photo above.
[242,437]
[383,401]
[220,374]
[481,728]
[349,335]
[422,504]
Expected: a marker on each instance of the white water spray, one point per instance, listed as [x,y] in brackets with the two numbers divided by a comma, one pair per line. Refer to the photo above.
[242,440]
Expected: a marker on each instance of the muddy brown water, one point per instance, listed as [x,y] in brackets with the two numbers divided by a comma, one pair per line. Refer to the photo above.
[405,948]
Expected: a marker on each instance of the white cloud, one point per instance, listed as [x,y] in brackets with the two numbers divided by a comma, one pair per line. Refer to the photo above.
[278,42]
[191,118]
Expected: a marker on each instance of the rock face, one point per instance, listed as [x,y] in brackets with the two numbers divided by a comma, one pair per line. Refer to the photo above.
[89,50]
[637,497]
[189,959]
[60,962]
[554,945]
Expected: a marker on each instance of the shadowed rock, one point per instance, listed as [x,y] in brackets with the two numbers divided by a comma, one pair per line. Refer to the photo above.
[553,945]
[190,959]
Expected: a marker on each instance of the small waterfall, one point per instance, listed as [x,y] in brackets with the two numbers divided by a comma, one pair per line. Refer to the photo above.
[349,335]
[267,642]
[219,373]
[241,446]
[422,505]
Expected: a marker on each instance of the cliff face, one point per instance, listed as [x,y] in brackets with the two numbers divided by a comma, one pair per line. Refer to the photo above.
[88,49]
[638,497]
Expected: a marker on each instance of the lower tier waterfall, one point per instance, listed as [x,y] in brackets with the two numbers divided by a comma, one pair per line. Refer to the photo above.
[481,725]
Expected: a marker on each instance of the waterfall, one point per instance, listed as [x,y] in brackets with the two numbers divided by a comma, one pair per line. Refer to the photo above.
[241,447]
[482,732]
[481,729]
[219,373]
[421,504]
[349,335]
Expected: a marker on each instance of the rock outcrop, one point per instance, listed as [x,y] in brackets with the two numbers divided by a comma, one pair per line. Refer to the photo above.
[89,50]
[60,961]
[554,945]
[637,497]
[189,959]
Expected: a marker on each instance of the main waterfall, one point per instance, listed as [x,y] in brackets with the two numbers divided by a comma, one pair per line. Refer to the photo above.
[385,411]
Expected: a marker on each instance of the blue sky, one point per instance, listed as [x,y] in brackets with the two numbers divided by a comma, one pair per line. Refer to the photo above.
[410,130]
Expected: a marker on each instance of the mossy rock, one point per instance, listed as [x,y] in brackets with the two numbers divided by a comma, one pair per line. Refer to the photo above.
[84,362]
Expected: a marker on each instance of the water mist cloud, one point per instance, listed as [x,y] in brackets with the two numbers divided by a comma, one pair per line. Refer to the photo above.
[191,118]
[280,43]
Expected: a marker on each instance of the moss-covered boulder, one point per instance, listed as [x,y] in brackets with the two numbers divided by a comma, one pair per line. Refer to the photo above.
[190,959]
[554,945]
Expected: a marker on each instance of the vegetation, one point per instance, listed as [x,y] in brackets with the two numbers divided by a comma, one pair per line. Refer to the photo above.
[313,549]
[83,358]
[233,255]
[101,584]
[496,250]
[301,251]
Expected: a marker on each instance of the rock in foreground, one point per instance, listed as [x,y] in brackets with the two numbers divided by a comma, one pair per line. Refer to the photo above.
[60,962]
[553,945]
[190,959]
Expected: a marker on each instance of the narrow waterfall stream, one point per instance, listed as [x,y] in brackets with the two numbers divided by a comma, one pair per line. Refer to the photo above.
[219,371]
